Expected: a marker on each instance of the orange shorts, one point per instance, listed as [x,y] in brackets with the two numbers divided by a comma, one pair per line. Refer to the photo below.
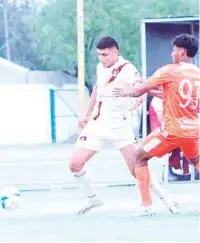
[157,144]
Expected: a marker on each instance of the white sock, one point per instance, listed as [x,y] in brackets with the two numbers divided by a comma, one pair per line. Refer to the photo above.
[160,191]
[85,182]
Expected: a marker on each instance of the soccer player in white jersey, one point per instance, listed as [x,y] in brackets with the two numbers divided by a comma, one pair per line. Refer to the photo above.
[108,119]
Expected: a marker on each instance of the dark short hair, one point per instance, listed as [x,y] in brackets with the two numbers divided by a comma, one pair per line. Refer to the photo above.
[107,42]
[189,42]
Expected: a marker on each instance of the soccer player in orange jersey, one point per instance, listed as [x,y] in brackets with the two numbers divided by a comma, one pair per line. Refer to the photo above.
[180,83]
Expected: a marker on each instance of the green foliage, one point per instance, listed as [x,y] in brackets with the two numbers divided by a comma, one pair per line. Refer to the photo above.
[56,28]
[21,40]
[47,37]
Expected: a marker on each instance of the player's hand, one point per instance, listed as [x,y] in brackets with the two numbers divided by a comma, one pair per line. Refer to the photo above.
[122,91]
[83,121]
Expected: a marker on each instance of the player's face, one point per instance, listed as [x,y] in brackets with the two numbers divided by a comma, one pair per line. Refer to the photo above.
[178,54]
[108,56]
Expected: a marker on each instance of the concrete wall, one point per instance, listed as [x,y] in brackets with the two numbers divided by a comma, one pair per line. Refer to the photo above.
[12,73]
[25,114]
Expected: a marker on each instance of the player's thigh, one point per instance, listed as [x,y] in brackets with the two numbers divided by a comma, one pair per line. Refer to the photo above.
[85,148]
[156,145]
[190,148]
[79,158]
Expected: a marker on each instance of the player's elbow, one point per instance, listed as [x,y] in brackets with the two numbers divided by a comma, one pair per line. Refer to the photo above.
[137,90]
[136,93]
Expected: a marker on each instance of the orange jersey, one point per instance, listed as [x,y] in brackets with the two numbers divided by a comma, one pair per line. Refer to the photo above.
[181,89]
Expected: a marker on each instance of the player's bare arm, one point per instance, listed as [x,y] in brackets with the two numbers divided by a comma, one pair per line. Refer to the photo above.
[92,102]
[156,93]
[135,90]
[126,90]
[83,120]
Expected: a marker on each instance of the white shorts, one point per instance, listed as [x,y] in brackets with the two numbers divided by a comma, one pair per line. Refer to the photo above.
[96,135]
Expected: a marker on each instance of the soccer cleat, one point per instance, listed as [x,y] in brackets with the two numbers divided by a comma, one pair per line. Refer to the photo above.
[174,208]
[147,211]
[92,203]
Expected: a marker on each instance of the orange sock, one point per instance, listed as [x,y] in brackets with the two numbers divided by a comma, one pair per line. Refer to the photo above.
[143,177]
[198,166]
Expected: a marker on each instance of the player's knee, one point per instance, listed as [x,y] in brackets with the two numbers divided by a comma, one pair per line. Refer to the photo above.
[138,155]
[75,166]
[140,158]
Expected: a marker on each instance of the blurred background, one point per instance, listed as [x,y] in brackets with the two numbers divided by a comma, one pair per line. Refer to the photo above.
[47,72]
[41,72]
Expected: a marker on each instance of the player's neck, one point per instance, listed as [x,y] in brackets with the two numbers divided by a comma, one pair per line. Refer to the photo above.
[117,59]
[187,60]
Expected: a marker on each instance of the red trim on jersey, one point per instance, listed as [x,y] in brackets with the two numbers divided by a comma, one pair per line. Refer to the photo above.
[115,72]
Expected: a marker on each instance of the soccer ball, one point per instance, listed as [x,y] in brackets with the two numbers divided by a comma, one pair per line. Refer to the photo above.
[9,197]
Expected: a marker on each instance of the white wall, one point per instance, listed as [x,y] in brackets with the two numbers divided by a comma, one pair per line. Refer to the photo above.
[12,73]
[24,114]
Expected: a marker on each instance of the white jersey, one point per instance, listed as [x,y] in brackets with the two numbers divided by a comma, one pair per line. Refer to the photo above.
[113,110]
[111,120]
